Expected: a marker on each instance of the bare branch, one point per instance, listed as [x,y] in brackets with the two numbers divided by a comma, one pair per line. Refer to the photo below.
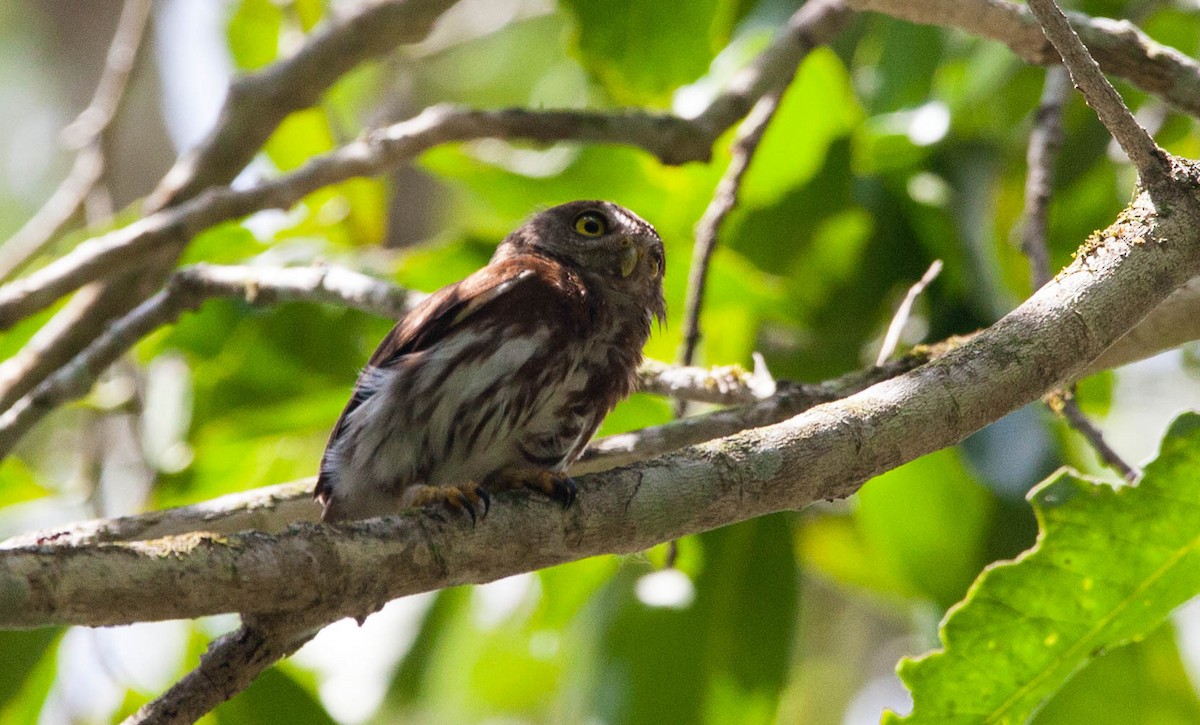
[1151,162]
[892,337]
[84,134]
[1065,404]
[1044,142]
[724,199]
[1120,47]
[258,103]
[185,291]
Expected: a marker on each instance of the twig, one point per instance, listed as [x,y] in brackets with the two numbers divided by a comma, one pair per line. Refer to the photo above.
[1151,162]
[724,199]
[85,134]
[1065,404]
[900,319]
[1118,45]
[1045,140]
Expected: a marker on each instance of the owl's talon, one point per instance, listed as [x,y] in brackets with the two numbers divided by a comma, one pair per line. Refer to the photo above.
[563,490]
[465,500]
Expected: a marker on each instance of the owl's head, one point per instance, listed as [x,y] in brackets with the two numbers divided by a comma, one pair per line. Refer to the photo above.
[605,242]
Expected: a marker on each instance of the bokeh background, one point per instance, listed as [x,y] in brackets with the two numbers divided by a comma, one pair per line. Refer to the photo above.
[895,146]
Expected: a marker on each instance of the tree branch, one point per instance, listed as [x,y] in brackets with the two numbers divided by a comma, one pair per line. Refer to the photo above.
[1151,162]
[724,199]
[826,452]
[1119,47]
[1044,142]
[257,103]
[230,665]
[85,134]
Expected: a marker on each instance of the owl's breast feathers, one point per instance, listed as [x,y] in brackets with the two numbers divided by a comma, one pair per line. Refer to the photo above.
[521,355]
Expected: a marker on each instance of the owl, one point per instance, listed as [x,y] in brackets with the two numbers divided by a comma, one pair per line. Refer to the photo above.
[500,380]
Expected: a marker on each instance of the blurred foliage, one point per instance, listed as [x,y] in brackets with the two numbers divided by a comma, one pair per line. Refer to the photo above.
[894,146]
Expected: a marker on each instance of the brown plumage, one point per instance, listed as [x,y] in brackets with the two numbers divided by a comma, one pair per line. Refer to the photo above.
[501,379]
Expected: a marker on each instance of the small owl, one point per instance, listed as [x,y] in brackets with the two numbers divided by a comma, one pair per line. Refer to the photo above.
[500,380]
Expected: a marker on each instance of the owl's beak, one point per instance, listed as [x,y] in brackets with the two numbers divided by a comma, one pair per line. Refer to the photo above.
[630,258]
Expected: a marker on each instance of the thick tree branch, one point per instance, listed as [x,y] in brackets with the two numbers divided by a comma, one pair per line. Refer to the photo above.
[85,134]
[1119,47]
[826,452]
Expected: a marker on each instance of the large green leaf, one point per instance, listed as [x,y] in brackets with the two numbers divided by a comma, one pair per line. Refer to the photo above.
[642,50]
[1109,565]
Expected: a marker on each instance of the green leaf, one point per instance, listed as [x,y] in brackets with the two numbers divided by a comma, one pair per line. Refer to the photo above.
[276,696]
[794,147]
[254,33]
[27,671]
[641,51]
[1109,565]
[1143,683]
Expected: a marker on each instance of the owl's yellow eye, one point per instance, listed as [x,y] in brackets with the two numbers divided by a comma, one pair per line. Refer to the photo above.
[590,224]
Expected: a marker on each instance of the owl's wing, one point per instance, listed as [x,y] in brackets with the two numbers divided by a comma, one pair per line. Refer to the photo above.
[442,313]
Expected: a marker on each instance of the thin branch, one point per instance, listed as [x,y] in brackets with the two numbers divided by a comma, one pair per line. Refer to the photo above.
[1118,45]
[722,385]
[85,134]
[724,199]
[258,103]
[1151,161]
[185,291]
[892,337]
[1045,140]
[1065,404]
[826,452]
